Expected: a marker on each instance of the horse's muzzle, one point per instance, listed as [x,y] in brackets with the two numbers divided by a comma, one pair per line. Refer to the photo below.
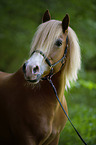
[31,73]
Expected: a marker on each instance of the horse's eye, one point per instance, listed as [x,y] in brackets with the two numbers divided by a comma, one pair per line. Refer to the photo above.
[58,42]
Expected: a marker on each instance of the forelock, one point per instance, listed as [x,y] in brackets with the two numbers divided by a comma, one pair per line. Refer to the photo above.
[46,35]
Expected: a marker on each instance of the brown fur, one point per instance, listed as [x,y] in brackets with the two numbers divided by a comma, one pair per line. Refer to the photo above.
[30,116]
[46,16]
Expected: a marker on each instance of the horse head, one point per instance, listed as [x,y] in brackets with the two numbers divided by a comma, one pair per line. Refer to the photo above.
[54,45]
[49,44]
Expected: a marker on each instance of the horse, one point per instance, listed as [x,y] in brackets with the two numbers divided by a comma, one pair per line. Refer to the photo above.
[29,111]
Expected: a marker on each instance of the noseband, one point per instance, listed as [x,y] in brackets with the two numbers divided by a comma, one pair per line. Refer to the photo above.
[62,60]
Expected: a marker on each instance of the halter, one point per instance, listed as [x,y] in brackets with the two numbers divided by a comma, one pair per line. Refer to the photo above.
[62,60]
[49,76]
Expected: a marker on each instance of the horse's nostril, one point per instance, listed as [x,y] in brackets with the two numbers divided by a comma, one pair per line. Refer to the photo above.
[36,69]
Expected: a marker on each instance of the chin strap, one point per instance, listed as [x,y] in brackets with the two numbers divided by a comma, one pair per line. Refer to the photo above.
[55,91]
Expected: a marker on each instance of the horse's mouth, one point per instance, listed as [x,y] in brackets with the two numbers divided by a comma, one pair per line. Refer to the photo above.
[34,81]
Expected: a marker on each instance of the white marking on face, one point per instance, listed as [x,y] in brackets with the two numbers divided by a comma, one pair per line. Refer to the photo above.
[36,66]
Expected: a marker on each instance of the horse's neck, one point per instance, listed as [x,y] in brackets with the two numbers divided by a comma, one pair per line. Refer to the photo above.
[59,82]
[41,95]
[43,86]
[40,100]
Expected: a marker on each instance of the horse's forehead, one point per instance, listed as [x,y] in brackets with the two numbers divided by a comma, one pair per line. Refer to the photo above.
[49,31]
[46,35]
[51,26]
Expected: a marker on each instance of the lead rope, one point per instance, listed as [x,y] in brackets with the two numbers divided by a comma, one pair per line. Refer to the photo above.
[55,91]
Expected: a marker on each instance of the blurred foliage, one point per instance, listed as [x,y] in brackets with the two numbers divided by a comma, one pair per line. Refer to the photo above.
[20,18]
[18,22]
[80,119]
[88,84]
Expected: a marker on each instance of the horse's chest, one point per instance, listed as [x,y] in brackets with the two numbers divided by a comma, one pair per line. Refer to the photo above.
[42,126]
[45,131]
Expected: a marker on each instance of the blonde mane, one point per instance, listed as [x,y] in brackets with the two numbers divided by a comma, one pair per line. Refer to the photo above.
[73,63]
[46,35]
[44,39]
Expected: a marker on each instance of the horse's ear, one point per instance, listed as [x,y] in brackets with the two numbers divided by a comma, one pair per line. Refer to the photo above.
[65,23]
[46,16]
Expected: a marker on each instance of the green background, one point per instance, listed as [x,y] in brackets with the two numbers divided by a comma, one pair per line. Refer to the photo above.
[18,22]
